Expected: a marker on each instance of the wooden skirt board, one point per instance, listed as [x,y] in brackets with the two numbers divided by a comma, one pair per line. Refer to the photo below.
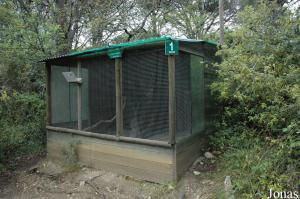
[188,151]
[140,161]
[145,162]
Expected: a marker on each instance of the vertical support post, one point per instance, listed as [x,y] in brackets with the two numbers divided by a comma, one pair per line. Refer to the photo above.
[119,110]
[79,97]
[172,99]
[48,90]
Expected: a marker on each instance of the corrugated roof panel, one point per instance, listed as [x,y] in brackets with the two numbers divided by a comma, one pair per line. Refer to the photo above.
[137,43]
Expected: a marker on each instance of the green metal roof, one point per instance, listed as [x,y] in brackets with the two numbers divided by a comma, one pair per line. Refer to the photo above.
[112,48]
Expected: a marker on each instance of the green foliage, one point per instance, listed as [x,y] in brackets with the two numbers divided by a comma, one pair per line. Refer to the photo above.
[22,123]
[260,73]
[26,36]
[71,154]
[258,85]
[258,164]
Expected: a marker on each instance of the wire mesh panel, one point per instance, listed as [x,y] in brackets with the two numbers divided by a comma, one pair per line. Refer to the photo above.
[198,94]
[183,95]
[63,98]
[212,108]
[101,93]
[145,94]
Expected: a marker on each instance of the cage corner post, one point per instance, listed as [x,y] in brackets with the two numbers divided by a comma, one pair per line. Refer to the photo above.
[172,99]
[48,92]
[79,97]
[119,97]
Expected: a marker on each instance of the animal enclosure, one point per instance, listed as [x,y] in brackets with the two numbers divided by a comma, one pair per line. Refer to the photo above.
[141,108]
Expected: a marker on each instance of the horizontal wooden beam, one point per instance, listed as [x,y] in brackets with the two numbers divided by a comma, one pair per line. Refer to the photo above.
[110,137]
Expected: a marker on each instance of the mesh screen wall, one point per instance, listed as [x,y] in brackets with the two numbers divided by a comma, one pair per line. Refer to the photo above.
[101,93]
[145,94]
[98,96]
[183,95]
[211,106]
[198,98]
[204,105]
[63,98]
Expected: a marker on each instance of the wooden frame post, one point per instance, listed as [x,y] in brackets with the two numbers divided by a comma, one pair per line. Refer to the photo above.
[119,111]
[48,93]
[79,97]
[172,99]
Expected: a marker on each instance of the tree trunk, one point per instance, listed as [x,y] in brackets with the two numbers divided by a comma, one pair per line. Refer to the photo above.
[221,16]
[68,16]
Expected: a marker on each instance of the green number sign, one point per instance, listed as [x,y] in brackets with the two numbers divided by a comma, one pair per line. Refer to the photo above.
[172,47]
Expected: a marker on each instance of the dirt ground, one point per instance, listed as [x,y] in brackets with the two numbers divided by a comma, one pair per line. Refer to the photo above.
[46,179]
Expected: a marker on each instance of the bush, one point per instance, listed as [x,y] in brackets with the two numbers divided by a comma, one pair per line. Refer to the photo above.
[259,88]
[22,123]
[258,164]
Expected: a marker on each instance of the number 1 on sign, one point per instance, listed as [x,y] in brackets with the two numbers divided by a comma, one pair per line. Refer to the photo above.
[172,46]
